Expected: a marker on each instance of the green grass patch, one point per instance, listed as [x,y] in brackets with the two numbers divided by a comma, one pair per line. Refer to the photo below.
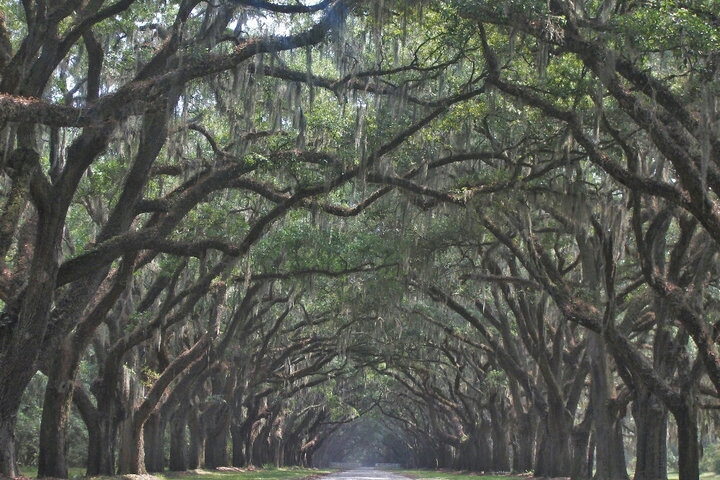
[285,473]
[703,476]
[449,475]
[270,473]
[73,472]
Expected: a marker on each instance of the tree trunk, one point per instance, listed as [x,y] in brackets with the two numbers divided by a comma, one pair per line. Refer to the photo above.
[196,452]
[499,433]
[215,421]
[582,455]
[131,451]
[617,445]
[153,438]
[609,453]
[91,417]
[261,453]
[239,437]
[53,428]
[131,454]
[56,410]
[27,315]
[178,439]
[481,459]
[105,446]
[8,463]
[523,442]
[554,457]
[110,412]
[688,443]
[277,448]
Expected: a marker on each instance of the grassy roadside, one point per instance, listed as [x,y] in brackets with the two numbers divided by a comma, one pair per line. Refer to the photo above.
[295,473]
[448,475]
[283,473]
[289,473]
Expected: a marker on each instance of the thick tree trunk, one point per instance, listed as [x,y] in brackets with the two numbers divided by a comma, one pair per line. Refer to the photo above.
[216,421]
[56,410]
[239,440]
[53,427]
[609,453]
[554,457]
[153,439]
[277,451]
[27,312]
[131,451]
[196,452]
[523,443]
[131,454]
[582,455]
[617,446]
[29,316]
[8,462]
[110,412]
[688,442]
[477,455]
[178,439]
[90,416]
[101,452]
[500,434]
[261,452]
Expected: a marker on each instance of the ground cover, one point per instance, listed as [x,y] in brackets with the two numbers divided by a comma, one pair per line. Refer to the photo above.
[452,475]
[229,473]
[285,473]
[295,473]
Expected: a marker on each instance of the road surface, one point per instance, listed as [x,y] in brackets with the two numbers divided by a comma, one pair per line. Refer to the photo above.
[365,474]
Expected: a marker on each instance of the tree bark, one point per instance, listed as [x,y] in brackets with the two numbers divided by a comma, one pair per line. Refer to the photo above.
[55,416]
[196,451]
[91,417]
[651,438]
[131,454]
[609,452]
[523,442]
[240,437]
[153,441]
[554,455]
[499,433]
[216,421]
[29,313]
[688,439]
[178,439]
[8,462]
[131,458]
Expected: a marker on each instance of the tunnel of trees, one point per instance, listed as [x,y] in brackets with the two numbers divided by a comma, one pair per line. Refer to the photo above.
[474,234]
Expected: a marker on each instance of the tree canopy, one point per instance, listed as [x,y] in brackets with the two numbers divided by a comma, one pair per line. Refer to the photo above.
[458,233]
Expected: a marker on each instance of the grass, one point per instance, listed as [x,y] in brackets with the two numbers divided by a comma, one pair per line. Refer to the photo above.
[296,473]
[73,472]
[289,473]
[448,475]
[285,473]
